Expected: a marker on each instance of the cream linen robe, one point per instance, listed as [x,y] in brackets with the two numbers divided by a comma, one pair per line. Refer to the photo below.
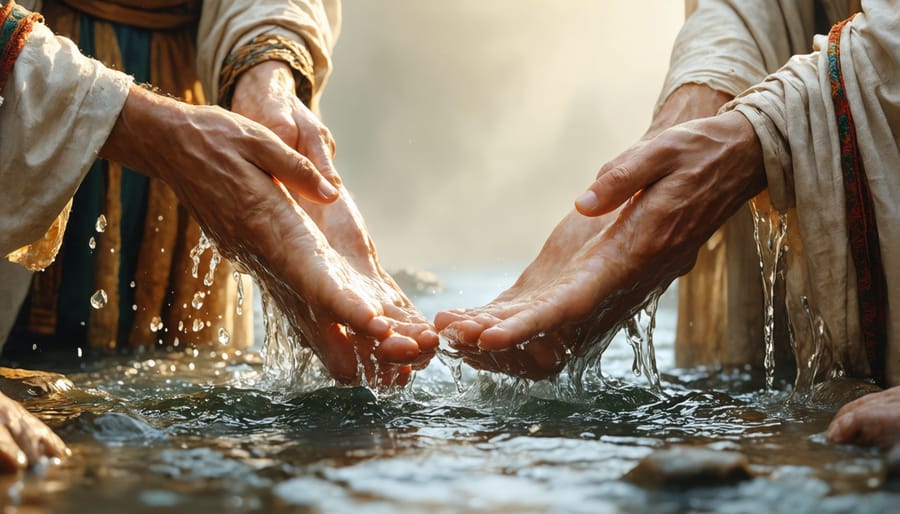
[793,116]
[60,106]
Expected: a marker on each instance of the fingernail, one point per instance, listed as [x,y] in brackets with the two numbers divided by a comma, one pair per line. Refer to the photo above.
[588,201]
[327,191]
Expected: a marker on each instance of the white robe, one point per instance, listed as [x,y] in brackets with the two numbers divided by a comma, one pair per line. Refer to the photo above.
[793,115]
[59,107]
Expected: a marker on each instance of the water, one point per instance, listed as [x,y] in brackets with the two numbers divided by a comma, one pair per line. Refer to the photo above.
[197,431]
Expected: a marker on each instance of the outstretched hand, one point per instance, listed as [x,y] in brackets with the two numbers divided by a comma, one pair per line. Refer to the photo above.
[662,199]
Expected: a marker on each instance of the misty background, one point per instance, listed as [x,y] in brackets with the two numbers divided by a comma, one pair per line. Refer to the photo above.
[466,128]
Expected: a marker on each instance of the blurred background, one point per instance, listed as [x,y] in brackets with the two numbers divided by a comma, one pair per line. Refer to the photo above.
[467,128]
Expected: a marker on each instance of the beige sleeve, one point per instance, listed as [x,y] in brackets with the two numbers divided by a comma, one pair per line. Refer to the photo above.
[732,44]
[57,110]
[228,24]
[793,115]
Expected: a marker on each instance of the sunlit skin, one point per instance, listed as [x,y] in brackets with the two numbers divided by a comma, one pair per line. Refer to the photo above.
[589,274]
[24,439]
[873,420]
[265,94]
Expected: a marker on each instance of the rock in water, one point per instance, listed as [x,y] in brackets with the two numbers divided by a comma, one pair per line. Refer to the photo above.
[684,466]
[418,282]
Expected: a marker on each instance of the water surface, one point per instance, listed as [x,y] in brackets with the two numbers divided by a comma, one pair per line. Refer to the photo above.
[201,431]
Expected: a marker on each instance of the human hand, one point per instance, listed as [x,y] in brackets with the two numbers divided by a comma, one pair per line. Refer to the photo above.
[872,420]
[660,201]
[266,94]
[24,439]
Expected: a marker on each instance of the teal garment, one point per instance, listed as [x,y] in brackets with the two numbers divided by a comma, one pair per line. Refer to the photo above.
[77,280]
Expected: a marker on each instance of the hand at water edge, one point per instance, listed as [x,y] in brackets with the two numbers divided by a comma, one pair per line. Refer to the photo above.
[657,204]
[24,439]
[266,93]
[873,420]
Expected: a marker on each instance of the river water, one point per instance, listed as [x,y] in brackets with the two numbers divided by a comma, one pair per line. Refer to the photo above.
[201,431]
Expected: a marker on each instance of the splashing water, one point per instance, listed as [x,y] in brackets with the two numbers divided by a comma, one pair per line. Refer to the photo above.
[99,299]
[239,308]
[214,261]
[101,224]
[197,251]
[224,336]
[156,324]
[639,331]
[197,301]
[769,230]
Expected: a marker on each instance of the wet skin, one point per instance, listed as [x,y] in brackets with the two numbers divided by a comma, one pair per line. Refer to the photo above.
[871,420]
[640,226]
[412,341]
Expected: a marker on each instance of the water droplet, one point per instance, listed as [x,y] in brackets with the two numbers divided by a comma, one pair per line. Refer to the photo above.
[181,326]
[99,299]
[176,342]
[159,218]
[131,285]
[198,325]
[156,324]
[197,302]
[224,336]
[92,243]
[101,223]
[80,352]
[34,347]
[134,307]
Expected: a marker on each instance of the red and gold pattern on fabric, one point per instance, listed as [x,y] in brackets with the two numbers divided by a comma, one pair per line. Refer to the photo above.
[861,227]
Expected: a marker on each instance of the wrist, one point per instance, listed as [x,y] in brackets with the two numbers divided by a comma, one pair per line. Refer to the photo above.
[688,102]
[262,49]
[272,77]
[745,150]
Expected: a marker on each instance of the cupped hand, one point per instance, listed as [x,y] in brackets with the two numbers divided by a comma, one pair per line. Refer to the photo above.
[873,420]
[24,439]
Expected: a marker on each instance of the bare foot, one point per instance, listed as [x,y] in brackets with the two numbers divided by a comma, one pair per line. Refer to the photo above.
[24,439]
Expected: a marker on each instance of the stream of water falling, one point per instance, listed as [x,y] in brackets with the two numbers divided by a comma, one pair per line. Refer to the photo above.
[769,231]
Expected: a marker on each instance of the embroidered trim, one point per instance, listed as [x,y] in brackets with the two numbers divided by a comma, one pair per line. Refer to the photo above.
[267,48]
[16,26]
[861,227]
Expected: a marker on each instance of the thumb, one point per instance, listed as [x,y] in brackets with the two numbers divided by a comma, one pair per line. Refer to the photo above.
[616,183]
[295,171]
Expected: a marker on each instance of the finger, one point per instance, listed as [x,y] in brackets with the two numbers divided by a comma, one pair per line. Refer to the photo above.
[12,458]
[444,318]
[295,171]
[616,184]
[397,349]
[843,429]
[320,147]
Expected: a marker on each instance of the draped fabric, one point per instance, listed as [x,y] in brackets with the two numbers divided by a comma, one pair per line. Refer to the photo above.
[760,51]
[141,261]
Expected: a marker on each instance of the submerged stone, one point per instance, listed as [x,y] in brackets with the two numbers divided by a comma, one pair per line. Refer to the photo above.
[684,466]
